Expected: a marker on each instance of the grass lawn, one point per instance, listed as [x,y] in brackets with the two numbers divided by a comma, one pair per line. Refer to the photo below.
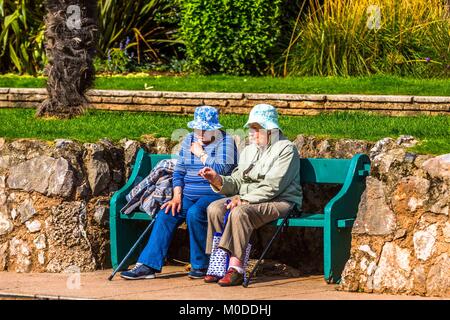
[385,85]
[434,132]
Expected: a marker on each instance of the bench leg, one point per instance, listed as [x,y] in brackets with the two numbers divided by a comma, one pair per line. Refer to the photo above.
[337,244]
[285,222]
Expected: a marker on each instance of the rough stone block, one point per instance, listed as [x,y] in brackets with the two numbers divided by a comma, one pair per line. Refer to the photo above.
[25,91]
[431,99]
[202,95]
[306,105]
[240,103]
[117,99]
[150,101]
[374,215]
[43,174]
[215,102]
[94,99]
[185,102]
[299,112]
[275,103]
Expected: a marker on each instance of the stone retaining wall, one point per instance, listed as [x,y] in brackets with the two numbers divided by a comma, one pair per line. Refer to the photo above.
[239,103]
[54,201]
[401,237]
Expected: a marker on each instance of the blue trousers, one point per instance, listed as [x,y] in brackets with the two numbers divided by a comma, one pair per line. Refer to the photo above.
[194,212]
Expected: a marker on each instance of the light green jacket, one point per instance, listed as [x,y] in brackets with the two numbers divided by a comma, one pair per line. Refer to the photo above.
[276,174]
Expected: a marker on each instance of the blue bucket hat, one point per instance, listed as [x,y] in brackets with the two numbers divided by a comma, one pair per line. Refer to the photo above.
[205,118]
[265,115]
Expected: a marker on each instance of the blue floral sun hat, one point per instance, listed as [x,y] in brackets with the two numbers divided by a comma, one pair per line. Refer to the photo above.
[205,118]
[265,115]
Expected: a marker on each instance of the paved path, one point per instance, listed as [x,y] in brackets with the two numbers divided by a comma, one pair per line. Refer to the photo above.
[170,285]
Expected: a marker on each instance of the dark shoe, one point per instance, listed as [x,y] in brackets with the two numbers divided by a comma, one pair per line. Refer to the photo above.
[140,271]
[197,273]
[231,278]
[211,279]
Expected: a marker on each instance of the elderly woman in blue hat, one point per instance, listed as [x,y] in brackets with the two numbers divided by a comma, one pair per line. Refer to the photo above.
[265,186]
[207,146]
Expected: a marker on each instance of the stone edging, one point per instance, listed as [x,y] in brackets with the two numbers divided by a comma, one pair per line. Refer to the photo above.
[239,103]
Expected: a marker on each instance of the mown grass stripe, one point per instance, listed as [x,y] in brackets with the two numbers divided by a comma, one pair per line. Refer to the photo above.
[370,85]
[20,123]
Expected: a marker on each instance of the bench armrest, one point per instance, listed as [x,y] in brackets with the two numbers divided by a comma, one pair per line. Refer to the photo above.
[141,168]
[345,204]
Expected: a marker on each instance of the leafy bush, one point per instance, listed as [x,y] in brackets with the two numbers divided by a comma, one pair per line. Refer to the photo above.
[230,36]
[349,37]
[22,36]
[150,25]
[122,60]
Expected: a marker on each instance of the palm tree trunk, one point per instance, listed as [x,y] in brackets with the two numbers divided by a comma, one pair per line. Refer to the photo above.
[71,36]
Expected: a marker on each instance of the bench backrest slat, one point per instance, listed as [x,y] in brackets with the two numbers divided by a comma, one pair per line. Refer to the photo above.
[155,158]
[313,170]
[316,170]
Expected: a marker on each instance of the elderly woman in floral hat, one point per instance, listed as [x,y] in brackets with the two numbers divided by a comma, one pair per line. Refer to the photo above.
[207,147]
[265,186]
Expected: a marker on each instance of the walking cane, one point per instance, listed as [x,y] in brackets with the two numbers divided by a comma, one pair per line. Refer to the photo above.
[284,223]
[149,227]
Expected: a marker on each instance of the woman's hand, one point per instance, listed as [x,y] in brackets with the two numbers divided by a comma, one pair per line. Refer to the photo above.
[212,176]
[173,205]
[197,149]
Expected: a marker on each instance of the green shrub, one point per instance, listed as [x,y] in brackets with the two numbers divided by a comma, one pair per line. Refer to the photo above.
[230,36]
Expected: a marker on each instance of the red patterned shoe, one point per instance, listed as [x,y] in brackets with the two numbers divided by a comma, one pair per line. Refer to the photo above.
[211,279]
[231,278]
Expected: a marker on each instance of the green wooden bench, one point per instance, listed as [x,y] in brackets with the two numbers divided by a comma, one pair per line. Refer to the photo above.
[336,220]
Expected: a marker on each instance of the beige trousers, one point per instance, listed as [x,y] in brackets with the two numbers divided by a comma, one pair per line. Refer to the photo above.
[241,222]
